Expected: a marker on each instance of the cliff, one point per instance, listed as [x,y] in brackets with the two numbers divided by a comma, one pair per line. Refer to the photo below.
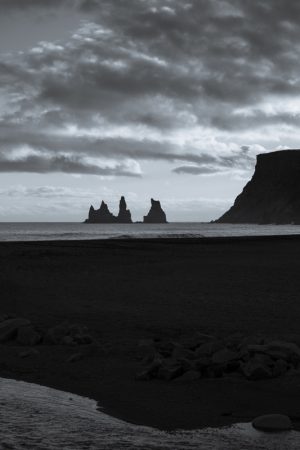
[156,213]
[103,215]
[272,196]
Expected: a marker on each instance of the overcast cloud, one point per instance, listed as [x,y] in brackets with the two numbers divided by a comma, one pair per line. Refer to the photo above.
[202,85]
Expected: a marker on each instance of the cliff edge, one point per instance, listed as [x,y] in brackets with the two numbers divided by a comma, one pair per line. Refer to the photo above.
[272,196]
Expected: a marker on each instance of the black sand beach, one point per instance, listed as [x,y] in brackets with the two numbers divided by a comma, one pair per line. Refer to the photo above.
[124,291]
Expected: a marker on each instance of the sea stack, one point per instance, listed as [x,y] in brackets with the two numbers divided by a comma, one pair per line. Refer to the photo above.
[156,213]
[272,196]
[103,215]
[124,215]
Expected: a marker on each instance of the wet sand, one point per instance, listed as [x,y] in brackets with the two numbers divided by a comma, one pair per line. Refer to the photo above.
[127,290]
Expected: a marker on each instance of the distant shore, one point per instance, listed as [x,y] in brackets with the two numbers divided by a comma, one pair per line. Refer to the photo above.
[127,290]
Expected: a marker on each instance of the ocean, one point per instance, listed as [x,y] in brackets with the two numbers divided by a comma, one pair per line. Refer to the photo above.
[40,418]
[41,231]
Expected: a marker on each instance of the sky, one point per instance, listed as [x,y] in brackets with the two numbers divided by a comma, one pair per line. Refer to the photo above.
[170,99]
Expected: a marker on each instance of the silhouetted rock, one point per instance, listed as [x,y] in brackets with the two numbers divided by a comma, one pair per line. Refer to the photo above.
[103,215]
[272,422]
[156,213]
[191,375]
[68,334]
[29,353]
[168,360]
[273,194]
[9,328]
[124,215]
[28,336]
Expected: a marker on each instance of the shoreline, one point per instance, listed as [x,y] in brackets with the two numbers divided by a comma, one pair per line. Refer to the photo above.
[125,290]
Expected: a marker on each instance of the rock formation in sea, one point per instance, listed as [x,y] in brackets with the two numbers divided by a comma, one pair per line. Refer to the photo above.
[124,215]
[156,213]
[101,215]
[272,196]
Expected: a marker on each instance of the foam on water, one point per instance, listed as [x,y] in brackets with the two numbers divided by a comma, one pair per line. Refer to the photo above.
[74,231]
[37,417]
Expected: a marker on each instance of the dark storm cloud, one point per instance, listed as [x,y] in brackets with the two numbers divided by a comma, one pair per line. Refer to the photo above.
[62,163]
[158,65]
[196,170]
[25,5]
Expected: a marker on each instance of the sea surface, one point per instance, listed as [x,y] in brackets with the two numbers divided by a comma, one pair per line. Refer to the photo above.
[35,417]
[40,231]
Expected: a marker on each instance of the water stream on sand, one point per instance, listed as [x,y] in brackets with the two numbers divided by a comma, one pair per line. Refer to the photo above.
[36,417]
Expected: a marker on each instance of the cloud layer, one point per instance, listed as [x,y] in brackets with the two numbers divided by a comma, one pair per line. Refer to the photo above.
[204,85]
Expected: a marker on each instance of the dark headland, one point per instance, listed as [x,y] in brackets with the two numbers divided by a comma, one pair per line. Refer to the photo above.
[116,294]
[102,215]
[273,194]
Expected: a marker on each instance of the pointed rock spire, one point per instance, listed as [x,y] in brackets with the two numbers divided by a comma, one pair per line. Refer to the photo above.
[124,215]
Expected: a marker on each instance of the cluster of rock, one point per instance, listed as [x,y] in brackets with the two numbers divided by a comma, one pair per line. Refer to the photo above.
[103,214]
[23,332]
[272,196]
[254,358]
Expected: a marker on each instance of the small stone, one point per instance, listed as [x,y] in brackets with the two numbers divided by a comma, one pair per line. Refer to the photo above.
[151,371]
[29,353]
[272,422]
[289,348]
[263,359]
[280,368]
[191,375]
[180,353]
[169,373]
[208,348]
[56,334]
[224,356]
[256,371]
[202,363]
[146,350]
[28,336]
[75,357]
[68,340]
[9,328]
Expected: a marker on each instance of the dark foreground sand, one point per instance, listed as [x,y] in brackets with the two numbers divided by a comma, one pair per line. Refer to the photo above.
[128,290]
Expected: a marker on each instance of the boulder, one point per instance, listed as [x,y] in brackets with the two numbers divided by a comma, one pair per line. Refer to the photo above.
[289,348]
[272,422]
[66,334]
[55,335]
[150,372]
[169,373]
[180,353]
[191,375]
[75,357]
[29,353]
[254,370]
[146,350]
[224,356]
[280,367]
[9,328]
[202,363]
[28,336]
[208,348]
